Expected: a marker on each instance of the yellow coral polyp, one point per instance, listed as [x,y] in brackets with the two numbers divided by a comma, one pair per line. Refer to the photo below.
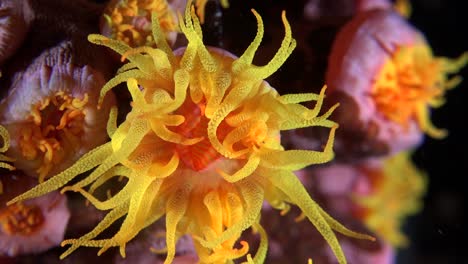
[411,81]
[54,122]
[396,192]
[128,20]
[201,146]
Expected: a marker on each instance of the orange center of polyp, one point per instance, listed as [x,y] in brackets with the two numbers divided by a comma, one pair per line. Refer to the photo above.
[20,219]
[54,122]
[197,156]
[409,80]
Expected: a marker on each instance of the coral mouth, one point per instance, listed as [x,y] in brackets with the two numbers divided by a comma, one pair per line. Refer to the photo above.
[21,219]
[55,122]
[197,156]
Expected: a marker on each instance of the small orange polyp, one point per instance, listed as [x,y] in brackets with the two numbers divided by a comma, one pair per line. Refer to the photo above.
[410,81]
[21,219]
[129,21]
[55,121]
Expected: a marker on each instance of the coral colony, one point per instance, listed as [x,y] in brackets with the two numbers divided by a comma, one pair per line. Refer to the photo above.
[126,105]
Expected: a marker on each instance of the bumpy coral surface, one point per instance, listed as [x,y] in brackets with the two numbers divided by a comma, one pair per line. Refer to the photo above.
[15,19]
[201,146]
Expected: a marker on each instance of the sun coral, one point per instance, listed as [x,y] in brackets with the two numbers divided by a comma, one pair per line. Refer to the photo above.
[130,21]
[51,113]
[387,195]
[410,81]
[381,193]
[201,146]
[384,70]
[31,226]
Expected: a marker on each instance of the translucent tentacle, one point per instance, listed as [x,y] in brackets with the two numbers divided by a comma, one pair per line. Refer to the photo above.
[287,46]
[138,129]
[298,159]
[112,121]
[290,185]
[262,248]
[86,240]
[181,83]
[87,162]
[232,100]
[144,194]
[298,98]
[160,38]
[112,202]
[253,198]
[163,132]
[176,206]
[6,139]
[113,172]
[166,170]
[247,170]
[246,59]
[117,46]
[335,225]
[123,77]
[159,60]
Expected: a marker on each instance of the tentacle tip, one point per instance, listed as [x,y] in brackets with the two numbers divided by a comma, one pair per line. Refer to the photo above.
[65,242]
[104,249]
[99,104]
[13,201]
[95,38]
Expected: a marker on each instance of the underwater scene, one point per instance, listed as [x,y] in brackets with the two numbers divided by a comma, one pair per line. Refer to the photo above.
[230,131]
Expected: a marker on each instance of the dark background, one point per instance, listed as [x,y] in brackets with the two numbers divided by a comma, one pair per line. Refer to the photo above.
[439,232]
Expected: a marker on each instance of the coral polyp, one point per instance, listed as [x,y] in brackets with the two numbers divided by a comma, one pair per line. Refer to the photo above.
[130,21]
[394,191]
[393,92]
[410,81]
[51,113]
[200,146]
[55,122]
